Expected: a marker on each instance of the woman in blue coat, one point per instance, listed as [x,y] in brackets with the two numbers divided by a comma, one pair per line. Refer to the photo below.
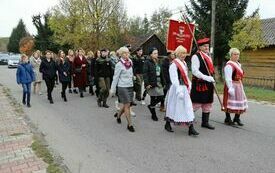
[25,76]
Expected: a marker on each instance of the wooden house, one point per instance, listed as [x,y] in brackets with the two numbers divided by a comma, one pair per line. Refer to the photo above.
[259,65]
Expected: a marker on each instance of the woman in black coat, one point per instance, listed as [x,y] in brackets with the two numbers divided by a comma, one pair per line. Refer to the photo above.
[153,81]
[48,69]
[64,73]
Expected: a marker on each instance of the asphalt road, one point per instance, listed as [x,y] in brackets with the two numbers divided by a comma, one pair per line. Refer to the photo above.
[90,140]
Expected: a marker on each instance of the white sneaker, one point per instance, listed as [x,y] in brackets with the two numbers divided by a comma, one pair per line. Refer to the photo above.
[143,102]
[133,113]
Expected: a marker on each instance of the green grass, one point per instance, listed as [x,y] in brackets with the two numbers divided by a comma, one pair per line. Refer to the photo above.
[254,93]
[41,150]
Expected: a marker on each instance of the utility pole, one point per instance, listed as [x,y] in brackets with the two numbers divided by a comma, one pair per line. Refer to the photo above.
[213,18]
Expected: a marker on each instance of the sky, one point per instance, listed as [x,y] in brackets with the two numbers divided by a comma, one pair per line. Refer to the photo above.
[12,10]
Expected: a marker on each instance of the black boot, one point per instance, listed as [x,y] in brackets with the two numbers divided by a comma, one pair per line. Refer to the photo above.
[205,121]
[51,101]
[70,90]
[75,91]
[99,102]
[65,98]
[81,94]
[153,113]
[228,120]
[24,99]
[28,100]
[105,104]
[192,130]
[237,120]
[62,94]
[168,127]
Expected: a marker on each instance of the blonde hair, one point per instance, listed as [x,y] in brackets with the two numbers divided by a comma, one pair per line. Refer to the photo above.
[123,50]
[180,49]
[90,54]
[22,56]
[112,53]
[233,50]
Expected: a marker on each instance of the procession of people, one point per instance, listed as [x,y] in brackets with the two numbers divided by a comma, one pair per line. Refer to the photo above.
[118,73]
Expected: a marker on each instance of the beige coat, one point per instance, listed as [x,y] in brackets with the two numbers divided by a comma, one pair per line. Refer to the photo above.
[36,65]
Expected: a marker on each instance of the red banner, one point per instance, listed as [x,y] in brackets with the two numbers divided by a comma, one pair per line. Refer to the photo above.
[180,33]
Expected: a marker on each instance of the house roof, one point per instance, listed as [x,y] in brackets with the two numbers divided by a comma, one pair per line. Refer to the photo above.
[268,26]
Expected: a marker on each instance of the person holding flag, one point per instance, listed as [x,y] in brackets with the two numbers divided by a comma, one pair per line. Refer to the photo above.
[202,91]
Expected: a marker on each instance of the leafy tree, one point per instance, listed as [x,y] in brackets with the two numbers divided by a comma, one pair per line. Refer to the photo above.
[159,23]
[17,33]
[227,12]
[43,39]
[247,33]
[85,23]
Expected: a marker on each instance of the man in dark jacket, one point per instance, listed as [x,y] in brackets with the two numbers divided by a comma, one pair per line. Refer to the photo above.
[103,74]
[138,63]
[48,68]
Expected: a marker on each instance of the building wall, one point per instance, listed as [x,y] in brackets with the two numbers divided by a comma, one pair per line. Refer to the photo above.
[259,66]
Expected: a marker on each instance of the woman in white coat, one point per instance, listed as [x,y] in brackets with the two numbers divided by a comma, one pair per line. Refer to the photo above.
[179,105]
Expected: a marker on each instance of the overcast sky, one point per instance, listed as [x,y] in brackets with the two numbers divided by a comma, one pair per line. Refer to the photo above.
[12,10]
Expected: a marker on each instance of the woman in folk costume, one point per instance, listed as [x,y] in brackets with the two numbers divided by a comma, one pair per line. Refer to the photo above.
[234,99]
[179,104]
[202,91]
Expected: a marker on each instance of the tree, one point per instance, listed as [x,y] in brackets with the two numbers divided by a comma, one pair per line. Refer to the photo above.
[227,12]
[43,39]
[84,23]
[159,23]
[17,33]
[247,33]
[146,26]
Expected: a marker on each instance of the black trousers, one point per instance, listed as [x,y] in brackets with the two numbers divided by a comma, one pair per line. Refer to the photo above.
[64,86]
[50,85]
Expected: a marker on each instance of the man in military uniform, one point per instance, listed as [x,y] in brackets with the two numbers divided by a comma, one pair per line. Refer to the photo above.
[103,74]
[138,62]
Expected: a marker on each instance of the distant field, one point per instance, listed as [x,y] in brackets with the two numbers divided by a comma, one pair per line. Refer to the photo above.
[3,44]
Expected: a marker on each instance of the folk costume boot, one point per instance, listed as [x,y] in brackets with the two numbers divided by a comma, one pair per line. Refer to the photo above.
[168,127]
[205,121]
[153,113]
[192,131]
[228,120]
[237,120]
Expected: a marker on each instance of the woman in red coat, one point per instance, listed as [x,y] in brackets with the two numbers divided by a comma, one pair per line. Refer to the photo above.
[80,71]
